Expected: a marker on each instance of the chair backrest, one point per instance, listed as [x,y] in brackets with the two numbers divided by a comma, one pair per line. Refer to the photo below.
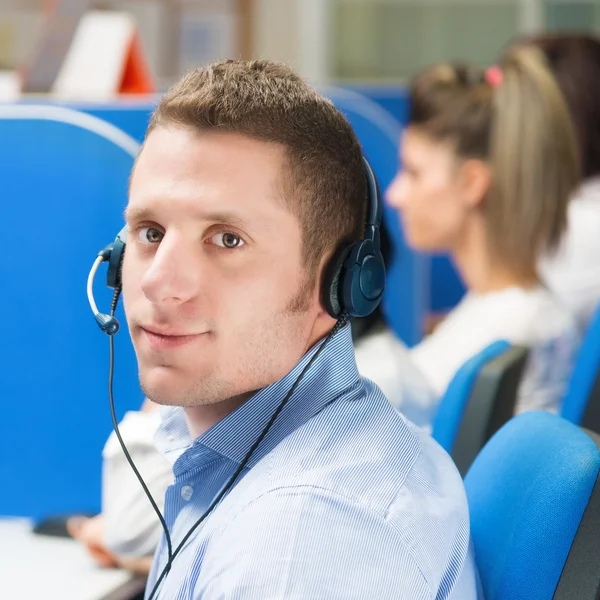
[480,398]
[581,403]
[534,502]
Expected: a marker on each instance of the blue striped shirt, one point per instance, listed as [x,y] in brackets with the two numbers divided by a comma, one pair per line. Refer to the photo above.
[343,499]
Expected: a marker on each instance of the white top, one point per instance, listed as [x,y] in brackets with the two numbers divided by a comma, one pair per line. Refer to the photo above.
[573,272]
[385,360]
[532,318]
[132,527]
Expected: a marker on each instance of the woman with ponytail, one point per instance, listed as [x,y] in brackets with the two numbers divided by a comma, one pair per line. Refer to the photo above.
[489,161]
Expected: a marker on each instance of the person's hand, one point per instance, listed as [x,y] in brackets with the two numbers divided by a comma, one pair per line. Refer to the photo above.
[138,566]
[90,532]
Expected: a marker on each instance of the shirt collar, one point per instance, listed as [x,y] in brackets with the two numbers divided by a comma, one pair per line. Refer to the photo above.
[333,374]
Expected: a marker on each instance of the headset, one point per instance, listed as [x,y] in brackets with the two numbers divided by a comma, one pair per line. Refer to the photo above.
[353,286]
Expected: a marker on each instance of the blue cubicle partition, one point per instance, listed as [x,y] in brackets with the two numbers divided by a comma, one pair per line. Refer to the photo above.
[64,186]
[64,174]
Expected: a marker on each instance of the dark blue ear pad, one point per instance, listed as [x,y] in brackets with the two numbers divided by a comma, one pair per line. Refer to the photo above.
[331,282]
[362,279]
[354,280]
[115,262]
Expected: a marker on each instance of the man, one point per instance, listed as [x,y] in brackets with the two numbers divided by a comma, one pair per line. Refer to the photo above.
[247,183]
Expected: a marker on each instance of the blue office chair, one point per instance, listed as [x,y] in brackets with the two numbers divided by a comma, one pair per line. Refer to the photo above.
[581,404]
[480,398]
[534,501]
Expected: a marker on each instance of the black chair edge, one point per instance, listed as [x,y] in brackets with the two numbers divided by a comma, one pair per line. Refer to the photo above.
[491,404]
[580,577]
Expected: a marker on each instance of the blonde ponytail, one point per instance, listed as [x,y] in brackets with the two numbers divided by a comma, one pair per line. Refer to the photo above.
[533,156]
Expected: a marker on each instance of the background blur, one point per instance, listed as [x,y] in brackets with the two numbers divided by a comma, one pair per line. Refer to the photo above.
[326,40]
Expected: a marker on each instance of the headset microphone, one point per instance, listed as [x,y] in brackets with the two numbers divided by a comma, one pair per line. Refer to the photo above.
[113,253]
[108,324]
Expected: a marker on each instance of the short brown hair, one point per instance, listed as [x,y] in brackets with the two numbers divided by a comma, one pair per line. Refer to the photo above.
[522,128]
[575,62]
[324,183]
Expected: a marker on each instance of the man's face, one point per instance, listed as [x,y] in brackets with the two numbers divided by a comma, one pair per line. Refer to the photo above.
[216,297]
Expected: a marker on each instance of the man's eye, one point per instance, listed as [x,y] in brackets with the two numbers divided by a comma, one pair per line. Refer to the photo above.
[227,240]
[150,235]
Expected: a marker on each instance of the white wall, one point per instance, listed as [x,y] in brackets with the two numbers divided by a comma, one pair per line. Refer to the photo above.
[275,30]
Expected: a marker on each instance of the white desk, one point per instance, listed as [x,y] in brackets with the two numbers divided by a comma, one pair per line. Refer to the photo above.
[38,566]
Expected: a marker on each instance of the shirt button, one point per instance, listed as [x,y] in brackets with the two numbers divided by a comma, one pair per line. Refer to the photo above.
[186,492]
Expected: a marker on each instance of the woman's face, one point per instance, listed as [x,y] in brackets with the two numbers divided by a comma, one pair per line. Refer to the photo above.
[429,192]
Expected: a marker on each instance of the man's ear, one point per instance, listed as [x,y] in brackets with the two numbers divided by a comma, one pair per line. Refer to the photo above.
[475,181]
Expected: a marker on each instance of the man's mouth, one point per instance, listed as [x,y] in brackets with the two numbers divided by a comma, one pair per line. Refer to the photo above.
[165,339]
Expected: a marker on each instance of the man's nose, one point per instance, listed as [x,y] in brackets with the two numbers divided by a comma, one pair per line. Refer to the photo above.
[174,274]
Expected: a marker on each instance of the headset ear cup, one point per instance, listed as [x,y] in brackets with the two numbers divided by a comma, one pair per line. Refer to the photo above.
[331,292]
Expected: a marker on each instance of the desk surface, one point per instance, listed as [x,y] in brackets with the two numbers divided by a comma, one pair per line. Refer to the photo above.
[37,566]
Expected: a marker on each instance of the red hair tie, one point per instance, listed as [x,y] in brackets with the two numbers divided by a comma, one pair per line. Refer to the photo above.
[494,76]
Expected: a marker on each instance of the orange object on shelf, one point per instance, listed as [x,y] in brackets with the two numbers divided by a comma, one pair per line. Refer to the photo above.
[136,78]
